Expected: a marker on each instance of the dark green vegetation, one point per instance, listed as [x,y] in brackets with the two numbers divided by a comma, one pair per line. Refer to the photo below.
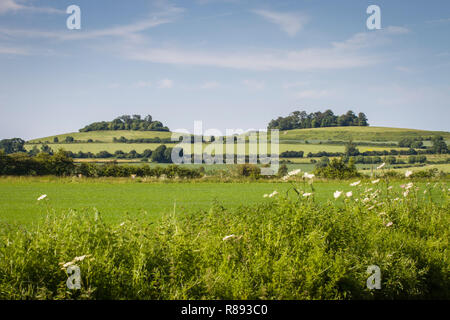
[303,120]
[127,123]
[290,247]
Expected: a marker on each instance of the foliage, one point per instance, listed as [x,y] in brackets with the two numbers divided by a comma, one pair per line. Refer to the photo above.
[248,170]
[302,120]
[12,145]
[337,169]
[286,248]
[127,122]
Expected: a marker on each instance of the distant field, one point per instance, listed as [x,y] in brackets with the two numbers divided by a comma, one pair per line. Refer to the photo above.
[107,136]
[140,147]
[364,134]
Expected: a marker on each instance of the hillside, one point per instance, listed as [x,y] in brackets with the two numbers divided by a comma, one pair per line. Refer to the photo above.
[357,134]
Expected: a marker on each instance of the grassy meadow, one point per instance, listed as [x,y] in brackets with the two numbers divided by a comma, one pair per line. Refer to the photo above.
[304,242]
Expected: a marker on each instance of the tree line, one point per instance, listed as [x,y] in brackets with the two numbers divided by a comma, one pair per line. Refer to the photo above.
[60,164]
[127,122]
[303,120]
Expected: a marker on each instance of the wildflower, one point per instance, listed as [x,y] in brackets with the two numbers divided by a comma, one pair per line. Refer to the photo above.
[133,176]
[349,194]
[294,172]
[396,199]
[389,224]
[308,175]
[366,200]
[376,181]
[228,237]
[42,197]
[372,207]
[81,258]
[408,173]
[425,192]
[390,188]
[354,184]
[381,166]
[409,186]
[122,224]
[405,194]
[307,194]
[382,213]
[76,259]
[337,194]
[273,194]
[265,195]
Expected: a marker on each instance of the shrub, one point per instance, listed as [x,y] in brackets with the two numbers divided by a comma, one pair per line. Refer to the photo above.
[337,169]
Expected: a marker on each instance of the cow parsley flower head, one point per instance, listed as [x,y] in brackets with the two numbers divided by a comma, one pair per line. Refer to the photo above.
[337,194]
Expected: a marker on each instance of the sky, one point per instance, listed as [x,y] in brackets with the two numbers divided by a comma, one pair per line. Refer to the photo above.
[229,63]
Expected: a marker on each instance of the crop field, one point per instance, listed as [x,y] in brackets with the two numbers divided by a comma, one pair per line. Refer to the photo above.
[363,134]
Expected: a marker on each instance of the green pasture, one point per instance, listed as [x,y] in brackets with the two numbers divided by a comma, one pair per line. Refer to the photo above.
[116,198]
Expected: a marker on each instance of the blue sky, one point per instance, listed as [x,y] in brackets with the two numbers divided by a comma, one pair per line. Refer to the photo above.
[230,63]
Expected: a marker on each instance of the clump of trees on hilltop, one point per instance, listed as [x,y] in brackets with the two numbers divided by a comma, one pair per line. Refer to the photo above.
[303,120]
[126,122]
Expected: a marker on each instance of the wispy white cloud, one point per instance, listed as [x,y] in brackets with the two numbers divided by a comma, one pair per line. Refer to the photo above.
[166,14]
[311,94]
[13,50]
[144,84]
[210,85]
[296,84]
[15,6]
[289,22]
[254,84]
[165,84]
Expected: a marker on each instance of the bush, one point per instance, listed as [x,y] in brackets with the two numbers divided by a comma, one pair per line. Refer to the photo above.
[337,169]
[248,170]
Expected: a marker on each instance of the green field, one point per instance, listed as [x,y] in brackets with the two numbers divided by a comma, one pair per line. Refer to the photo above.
[116,198]
[363,134]
[129,241]
[140,147]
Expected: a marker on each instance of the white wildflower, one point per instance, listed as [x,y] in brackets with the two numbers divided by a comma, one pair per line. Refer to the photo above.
[337,194]
[349,194]
[273,194]
[381,166]
[408,173]
[42,197]
[308,175]
[354,184]
[389,224]
[376,181]
[307,194]
[228,237]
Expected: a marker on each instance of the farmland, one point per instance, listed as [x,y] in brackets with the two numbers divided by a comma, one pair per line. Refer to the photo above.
[131,242]
[137,233]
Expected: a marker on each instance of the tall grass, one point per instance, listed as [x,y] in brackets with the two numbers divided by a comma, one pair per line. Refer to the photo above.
[289,247]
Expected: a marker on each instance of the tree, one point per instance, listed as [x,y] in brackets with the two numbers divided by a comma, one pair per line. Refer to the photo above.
[439,145]
[351,149]
[55,140]
[362,120]
[158,154]
[12,145]
[69,139]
